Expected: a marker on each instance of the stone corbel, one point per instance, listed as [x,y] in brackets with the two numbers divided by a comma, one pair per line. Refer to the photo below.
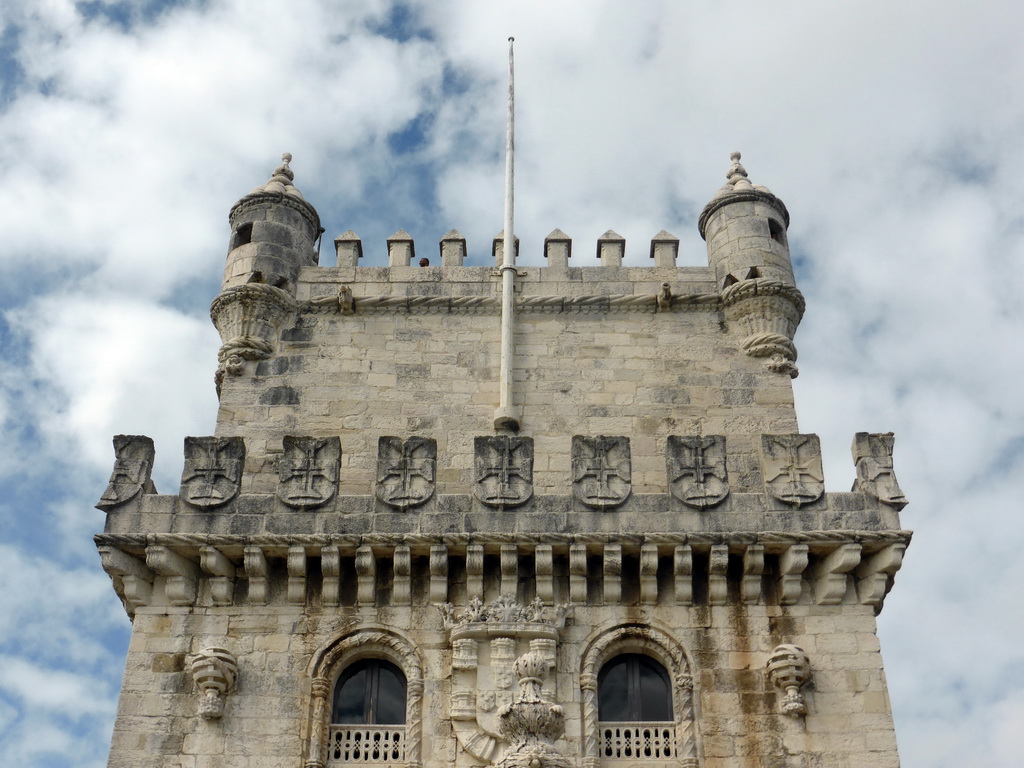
[788,669]
[753,568]
[297,575]
[256,573]
[135,578]
[792,564]
[214,671]
[830,574]
[249,319]
[766,313]
[222,574]
[874,574]
[182,574]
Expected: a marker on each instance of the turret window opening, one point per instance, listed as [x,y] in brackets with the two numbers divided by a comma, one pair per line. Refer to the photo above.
[776,231]
[368,714]
[242,235]
[635,709]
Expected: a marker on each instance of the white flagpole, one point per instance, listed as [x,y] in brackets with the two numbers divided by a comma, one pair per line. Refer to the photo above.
[505,417]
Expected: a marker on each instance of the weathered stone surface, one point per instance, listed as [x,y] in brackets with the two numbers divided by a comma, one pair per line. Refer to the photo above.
[213,470]
[504,470]
[792,468]
[132,473]
[406,470]
[601,470]
[697,473]
[872,456]
[308,471]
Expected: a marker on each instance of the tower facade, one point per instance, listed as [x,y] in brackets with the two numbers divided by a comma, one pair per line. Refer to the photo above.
[360,569]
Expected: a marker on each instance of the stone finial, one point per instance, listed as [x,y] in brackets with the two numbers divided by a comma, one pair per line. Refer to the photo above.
[664,249]
[611,247]
[281,179]
[349,248]
[737,174]
[788,668]
[401,249]
[558,249]
[214,671]
[453,249]
[531,724]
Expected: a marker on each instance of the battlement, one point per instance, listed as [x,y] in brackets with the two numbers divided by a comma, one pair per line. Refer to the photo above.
[711,500]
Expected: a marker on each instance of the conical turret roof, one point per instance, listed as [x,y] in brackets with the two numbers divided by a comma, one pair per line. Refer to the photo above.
[738,188]
[281,180]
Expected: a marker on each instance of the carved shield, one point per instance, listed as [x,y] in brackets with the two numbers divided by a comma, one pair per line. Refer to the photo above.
[405,470]
[133,469]
[601,472]
[504,470]
[213,470]
[308,471]
[696,470]
[792,468]
[872,455]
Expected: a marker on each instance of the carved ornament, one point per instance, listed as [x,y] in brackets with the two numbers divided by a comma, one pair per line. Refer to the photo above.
[214,671]
[504,470]
[766,314]
[132,473]
[872,455]
[406,471]
[792,468]
[213,470]
[308,471]
[696,470]
[601,470]
[788,669]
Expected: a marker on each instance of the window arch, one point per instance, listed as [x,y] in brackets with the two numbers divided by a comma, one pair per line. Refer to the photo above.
[366,700]
[653,664]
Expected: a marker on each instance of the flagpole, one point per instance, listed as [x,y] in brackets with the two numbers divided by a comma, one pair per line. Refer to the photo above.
[505,416]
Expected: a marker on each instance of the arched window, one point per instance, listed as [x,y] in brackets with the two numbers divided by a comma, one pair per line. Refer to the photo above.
[368,714]
[370,692]
[634,706]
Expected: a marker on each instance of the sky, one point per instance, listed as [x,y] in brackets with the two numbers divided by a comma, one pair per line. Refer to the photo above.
[894,132]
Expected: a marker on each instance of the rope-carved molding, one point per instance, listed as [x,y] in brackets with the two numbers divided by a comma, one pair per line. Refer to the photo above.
[773,541]
[343,302]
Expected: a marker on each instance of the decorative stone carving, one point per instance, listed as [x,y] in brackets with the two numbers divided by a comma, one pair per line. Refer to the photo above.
[788,669]
[872,455]
[213,470]
[308,471]
[792,468]
[501,628]
[406,470]
[601,472]
[249,319]
[504,470]
[504,610]
[531,724]
[766,313]
[214,671]
[133,470]
[696,470]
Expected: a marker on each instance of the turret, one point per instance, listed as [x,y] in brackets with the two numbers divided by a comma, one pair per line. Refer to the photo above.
[272,234]
[273,231]
[745,229]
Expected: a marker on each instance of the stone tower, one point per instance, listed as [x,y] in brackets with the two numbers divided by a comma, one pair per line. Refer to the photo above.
[359,569]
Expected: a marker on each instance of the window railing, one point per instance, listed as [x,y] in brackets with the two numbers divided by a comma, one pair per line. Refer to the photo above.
[633,741]
[361,744]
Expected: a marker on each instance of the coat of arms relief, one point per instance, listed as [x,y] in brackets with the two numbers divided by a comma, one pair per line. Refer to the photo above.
[487,639]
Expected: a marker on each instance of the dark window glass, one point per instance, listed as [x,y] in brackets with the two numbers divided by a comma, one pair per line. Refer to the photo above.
[633,688]
[370,692]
